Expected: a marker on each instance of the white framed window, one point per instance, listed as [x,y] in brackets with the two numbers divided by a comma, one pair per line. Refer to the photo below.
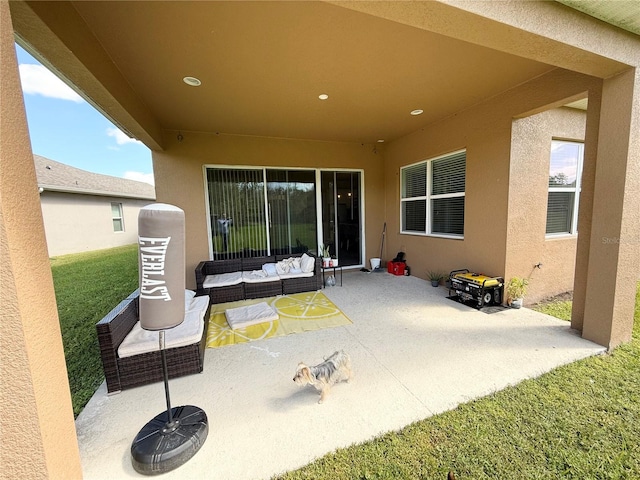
[432,196]
[565,173]
[116,216]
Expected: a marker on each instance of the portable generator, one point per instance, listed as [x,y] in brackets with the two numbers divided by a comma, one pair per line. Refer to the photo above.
[476,287]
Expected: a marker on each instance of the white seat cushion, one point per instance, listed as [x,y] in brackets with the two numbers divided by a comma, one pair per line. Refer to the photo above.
[259,276]
[189,295]
[190,331]
[199,304]
[296,274]
[250,315]
[222,280]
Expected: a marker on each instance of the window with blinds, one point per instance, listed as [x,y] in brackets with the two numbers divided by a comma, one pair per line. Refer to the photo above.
[432,196]
[565,172]
[414,198]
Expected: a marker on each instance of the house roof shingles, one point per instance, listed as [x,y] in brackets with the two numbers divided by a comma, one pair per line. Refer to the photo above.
[56,176]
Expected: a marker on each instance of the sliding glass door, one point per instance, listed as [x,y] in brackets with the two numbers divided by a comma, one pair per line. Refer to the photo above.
[260,211]
[291,200]
[341,225]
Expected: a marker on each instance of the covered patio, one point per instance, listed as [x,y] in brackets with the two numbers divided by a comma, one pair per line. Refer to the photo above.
[415,354]
[409,84]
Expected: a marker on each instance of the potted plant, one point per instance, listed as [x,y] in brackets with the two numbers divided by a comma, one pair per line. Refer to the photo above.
[435,277]
[326,255]
[516,290]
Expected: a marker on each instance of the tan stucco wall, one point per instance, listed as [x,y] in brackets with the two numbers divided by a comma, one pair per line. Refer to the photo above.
[38,433]
[485,198]
[81,223]
[527,245]
[494,241]
[485,131]
[486,191]
[609,255]
[180,177]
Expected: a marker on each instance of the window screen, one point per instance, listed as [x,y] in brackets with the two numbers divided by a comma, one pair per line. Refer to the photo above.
[441,212]
[565,170]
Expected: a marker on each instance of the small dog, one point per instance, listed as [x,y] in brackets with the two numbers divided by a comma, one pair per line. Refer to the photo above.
[334,369]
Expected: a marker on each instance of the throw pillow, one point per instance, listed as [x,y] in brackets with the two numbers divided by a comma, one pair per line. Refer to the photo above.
[270,268]
[307,263]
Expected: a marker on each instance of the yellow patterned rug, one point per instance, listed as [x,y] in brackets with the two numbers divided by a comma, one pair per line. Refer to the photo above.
[299,312]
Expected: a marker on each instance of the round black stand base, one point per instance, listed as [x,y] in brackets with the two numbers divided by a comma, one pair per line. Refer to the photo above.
[161,446]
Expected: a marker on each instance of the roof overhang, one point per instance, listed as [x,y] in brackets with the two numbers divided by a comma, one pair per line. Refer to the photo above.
[263,65]
[86,191]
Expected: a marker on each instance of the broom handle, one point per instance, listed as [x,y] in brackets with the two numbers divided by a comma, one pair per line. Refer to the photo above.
[384,232]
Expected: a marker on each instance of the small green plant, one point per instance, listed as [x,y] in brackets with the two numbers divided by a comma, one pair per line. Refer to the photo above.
[324,251]
[517,288]
[435,275]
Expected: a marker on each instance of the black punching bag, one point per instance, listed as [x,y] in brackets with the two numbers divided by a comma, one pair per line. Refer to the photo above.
[161,255]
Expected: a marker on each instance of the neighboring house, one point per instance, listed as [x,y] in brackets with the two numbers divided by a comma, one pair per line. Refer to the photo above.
[85,211]
[439,122]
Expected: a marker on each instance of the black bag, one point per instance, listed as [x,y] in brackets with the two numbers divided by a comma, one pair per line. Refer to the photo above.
[400,258]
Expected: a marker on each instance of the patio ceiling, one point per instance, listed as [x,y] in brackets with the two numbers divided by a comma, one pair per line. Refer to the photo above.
[263,65]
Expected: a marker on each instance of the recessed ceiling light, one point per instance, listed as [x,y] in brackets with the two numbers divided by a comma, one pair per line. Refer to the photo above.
[417,112]
[381,141]
[193,81]
[323,96]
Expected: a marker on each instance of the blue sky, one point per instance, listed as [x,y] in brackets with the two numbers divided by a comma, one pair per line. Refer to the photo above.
[67,129]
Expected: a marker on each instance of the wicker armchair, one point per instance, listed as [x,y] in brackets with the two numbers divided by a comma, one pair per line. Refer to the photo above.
[129,372]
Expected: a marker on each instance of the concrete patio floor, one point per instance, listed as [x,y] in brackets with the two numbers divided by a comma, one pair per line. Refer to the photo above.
[414,353]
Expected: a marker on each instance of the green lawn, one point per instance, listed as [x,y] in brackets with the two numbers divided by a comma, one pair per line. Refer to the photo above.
[255,237]
[580,421]
[88,286]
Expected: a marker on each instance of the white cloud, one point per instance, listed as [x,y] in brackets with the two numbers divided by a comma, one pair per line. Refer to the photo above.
[120,136]
[38,80]
[140,177]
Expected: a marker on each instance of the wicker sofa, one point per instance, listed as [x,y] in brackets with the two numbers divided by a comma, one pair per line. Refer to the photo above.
[243,290]
[132,371]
